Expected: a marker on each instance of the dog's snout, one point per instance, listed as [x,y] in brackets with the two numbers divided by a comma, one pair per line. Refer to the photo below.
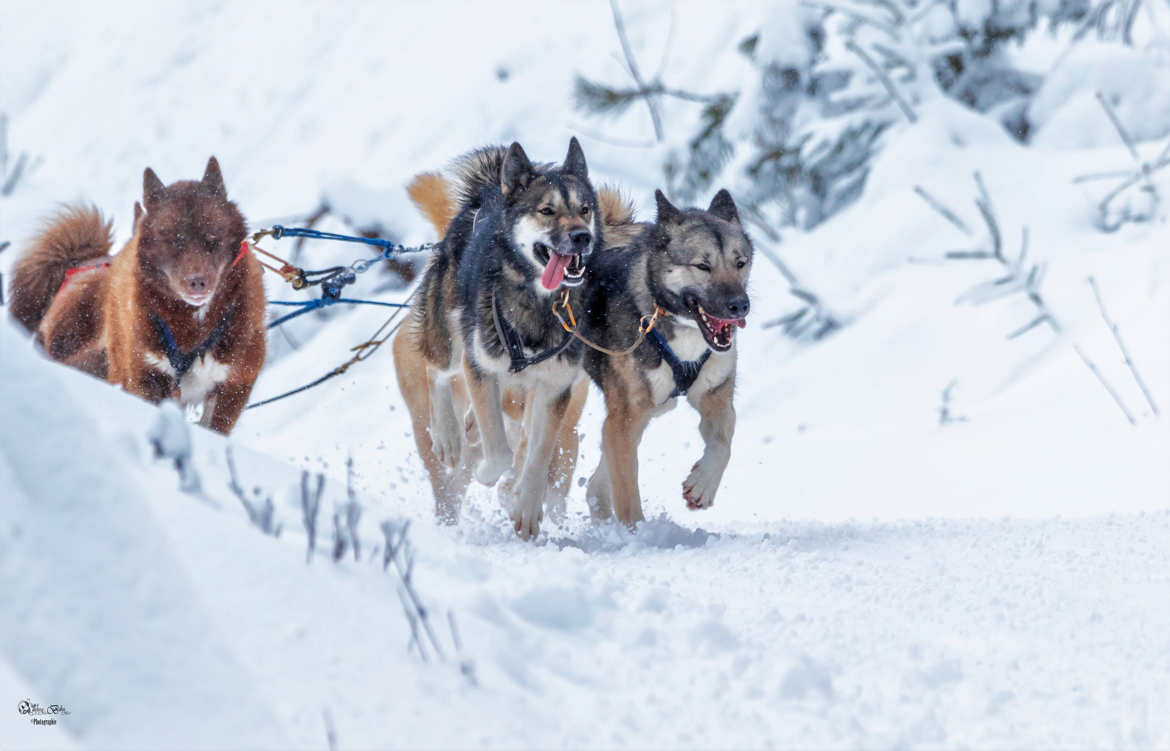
[580,239]
[738,306]
[196,283]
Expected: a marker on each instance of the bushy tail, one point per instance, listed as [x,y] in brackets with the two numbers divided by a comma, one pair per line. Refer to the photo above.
[76,234]
[431,193]
[617,210]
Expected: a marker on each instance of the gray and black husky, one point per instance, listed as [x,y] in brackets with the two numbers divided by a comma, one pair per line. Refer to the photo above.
[687,272]
[520,238]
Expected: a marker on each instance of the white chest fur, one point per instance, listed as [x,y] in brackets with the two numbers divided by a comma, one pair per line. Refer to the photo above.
[204,375]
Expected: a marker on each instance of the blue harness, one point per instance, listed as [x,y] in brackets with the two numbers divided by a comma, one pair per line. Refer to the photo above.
[182,361]
[685,371]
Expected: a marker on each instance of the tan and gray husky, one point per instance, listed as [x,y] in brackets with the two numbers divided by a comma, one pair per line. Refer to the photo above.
[482,324]
[687,272]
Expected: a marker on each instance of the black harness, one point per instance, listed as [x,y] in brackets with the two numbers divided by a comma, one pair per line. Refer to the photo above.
[685,371]
[511,339]
[182,361]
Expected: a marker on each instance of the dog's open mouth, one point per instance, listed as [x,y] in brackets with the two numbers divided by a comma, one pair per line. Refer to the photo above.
[717,331]
[559,268]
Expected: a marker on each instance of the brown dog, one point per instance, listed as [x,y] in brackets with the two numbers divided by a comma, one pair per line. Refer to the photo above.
[178,313]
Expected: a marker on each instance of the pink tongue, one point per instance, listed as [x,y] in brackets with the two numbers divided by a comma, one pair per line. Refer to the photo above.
[554,272]
[742,323]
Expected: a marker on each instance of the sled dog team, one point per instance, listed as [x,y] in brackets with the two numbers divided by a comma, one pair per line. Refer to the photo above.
[539,284]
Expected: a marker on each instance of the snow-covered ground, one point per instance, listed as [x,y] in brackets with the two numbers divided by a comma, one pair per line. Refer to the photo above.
[867,577]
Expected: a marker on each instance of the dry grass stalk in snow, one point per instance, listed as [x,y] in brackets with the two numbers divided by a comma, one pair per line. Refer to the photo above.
[310,506]
[1109,217]
[400,553]
[1020,277]
[1116,331]
[262,515]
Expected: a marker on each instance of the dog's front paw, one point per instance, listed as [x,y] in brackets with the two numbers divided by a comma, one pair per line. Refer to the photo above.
[700,486]
[492,467]
[526,517]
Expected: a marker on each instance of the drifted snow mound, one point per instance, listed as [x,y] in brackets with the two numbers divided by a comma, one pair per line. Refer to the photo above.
[96,613]
[1066,114]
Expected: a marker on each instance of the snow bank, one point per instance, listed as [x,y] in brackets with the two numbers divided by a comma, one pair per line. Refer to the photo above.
[96,613]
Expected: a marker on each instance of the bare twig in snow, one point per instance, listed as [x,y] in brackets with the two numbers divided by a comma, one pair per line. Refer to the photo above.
[1112,392]
[983,203]
[23,165]
[398,551]
[310,505]
[1109,220]
[1020,277]
[632,65]
[1116,331]
[353,511]
[466,666]
[330,730]
[942,209]
[1121,131]
[882,76]
[170,436]
[340,541]
[945,417]
[263,515]
[412,619]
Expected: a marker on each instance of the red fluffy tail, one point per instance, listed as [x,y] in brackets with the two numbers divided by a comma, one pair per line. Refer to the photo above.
[75,235]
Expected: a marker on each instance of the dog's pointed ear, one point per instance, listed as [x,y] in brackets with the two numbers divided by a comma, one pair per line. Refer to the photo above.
[138,212]
[213,178]
[152,190]
[517,171]
[575,160]
[667,213]
[723,207]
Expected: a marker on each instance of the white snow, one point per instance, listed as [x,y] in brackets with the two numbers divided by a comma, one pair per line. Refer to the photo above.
[866,578]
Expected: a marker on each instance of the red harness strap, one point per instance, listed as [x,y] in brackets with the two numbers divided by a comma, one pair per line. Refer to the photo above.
[239,256]
[77,270]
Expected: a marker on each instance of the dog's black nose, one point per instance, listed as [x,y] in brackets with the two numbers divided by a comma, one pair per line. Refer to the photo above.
[581,239]
[196,282]
[738,306]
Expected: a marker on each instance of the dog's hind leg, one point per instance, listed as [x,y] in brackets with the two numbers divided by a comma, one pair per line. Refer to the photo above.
[547,406]
[620,436]
[564,459]
[484,390]
[414,381]
[717,426]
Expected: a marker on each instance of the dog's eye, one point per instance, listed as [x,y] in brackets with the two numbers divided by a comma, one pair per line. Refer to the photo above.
[740,263]
[211,241]
[584,211]
[547,211]
[702,267]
